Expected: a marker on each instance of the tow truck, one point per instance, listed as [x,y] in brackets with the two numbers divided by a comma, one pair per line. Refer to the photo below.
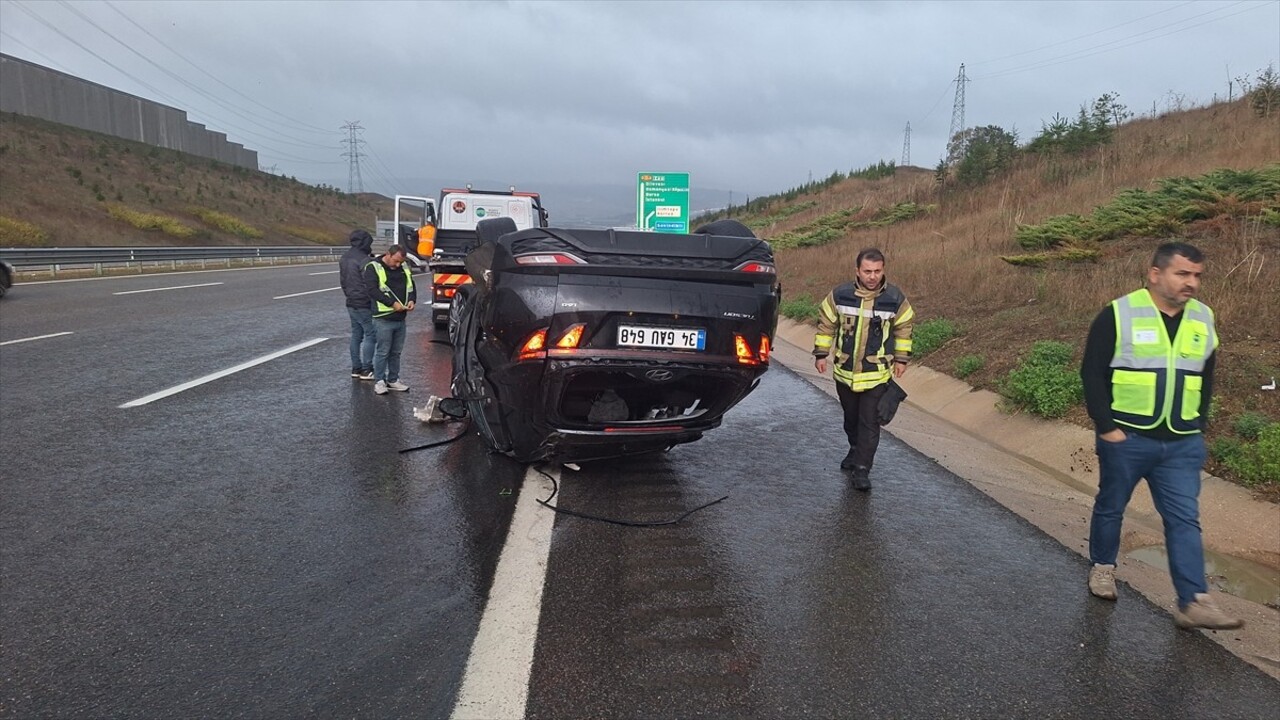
[446,235]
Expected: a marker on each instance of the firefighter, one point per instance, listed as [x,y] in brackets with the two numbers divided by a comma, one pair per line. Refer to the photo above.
[864,326]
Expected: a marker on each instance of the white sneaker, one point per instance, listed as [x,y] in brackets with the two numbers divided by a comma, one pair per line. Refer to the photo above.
[397,386]
[380,387]
[1102,581]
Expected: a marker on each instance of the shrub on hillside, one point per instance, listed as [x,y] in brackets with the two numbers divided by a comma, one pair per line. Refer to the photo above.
[226,223]
[929,335]
[1043,383]
[1249,425]
[17,233]
[967,365]
[1253,462]
[802,308]
[149,221]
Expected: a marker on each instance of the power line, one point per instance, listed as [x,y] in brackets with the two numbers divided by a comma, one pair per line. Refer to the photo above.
[298,124]
[1082,37]
[1104,47]
[159,93]
[200,91]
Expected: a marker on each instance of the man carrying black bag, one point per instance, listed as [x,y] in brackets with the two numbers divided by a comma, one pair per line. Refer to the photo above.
[866,326]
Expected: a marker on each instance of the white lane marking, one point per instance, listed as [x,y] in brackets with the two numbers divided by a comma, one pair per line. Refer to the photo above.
[37,337]
[309,292]
[326,272]
[496,682]
[175,287]
[220,374]
[133,276]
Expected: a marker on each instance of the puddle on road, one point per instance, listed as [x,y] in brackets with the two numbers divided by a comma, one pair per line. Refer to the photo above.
[1231,575]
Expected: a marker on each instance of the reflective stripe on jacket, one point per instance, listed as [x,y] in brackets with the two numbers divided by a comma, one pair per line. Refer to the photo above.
[854,327]
[1156,380]
[381,309]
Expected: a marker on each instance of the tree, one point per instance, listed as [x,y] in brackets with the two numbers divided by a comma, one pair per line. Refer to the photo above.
[978,153]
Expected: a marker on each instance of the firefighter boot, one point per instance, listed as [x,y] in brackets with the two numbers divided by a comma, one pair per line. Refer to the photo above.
[861,478]
[848,462]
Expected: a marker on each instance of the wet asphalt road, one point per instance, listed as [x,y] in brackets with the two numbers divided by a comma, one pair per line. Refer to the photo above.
[256,547]
[253,547]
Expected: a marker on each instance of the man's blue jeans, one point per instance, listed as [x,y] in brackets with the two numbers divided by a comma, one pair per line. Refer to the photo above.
[361,338]
[386,352]
[1172,470]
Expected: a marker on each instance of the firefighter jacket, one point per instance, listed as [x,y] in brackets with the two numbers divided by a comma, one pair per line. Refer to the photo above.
[387,286]
[1157,380]
[864,331]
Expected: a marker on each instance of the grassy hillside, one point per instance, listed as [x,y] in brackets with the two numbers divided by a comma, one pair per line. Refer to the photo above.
[952,250]
[60,186]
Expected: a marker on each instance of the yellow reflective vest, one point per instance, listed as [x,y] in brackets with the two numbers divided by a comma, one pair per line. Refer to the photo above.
[855,327]
[379,309]
[1155,379]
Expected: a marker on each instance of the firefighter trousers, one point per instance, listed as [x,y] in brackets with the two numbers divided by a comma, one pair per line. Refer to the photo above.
[862,421]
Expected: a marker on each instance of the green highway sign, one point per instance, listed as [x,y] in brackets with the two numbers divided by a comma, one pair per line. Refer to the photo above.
[662,202]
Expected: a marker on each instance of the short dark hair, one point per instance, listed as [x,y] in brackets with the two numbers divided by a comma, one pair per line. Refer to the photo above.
[872,254]
[396,249]
[1164,254]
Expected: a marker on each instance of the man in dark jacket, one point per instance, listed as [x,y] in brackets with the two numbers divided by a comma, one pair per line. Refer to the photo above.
[390,284]
[359,302]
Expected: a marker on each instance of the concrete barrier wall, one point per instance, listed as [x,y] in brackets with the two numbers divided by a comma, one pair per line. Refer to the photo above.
[38,91]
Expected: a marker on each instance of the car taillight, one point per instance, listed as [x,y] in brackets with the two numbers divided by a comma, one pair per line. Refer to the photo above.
[757,267]
[572,337]
[743,350]
[534,345]
[549,259]
[764,349]
[446,292]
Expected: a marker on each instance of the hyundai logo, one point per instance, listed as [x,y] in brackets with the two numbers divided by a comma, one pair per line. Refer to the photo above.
[659,375]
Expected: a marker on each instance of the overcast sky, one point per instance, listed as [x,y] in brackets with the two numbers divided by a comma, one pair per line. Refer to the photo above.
[746,96]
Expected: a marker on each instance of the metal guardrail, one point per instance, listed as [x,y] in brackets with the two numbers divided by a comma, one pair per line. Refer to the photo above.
[65,258]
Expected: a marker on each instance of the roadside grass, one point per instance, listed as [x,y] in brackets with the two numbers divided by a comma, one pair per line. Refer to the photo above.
[320,237]
[802,308]
[931,334]
[1044,383]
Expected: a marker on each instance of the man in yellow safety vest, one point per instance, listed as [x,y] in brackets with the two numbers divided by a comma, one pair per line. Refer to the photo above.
[390,284]
[1148,379]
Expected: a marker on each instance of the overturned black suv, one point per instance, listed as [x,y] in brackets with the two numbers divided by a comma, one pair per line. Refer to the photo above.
[581,344]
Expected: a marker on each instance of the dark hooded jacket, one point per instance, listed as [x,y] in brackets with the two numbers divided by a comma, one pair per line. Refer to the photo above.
[351,270]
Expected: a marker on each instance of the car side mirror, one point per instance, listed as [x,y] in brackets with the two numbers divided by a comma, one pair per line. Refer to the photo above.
[453,407]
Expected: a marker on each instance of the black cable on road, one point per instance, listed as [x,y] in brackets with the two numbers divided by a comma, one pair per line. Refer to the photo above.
[466,424]
[555,488]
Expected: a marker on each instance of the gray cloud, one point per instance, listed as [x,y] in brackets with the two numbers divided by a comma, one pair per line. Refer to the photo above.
[749,96]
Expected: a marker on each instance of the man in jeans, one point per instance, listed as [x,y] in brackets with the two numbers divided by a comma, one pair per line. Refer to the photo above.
[359,303]
[1148,379]
[390,284]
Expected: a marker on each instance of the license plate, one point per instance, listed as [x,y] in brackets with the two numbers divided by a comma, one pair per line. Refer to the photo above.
[668,338]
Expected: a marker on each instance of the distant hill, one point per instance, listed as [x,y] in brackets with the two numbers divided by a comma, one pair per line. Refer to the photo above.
[68,187]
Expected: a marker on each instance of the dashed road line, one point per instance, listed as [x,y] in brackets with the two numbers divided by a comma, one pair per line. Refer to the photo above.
[37,337]
[175,287]
[220,374]
[309,292]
